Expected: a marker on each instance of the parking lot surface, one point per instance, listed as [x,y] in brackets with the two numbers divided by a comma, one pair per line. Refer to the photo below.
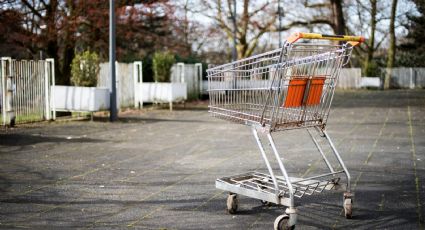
[156,169]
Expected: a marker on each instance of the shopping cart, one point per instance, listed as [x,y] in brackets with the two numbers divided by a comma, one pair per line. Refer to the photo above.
[287,88]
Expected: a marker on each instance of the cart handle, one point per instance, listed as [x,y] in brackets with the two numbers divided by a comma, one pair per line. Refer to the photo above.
[353,40]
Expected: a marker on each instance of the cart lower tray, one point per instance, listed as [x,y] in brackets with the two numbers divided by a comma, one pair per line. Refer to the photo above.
[260,186]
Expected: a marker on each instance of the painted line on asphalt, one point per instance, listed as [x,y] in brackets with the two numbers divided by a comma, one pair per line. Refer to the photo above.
[165,189]
[196,208]
[313,165]
[414,159]
[371,152]
[161,207]
[367,160]
[105,166]
[211,198]
[50,208]
[381,204]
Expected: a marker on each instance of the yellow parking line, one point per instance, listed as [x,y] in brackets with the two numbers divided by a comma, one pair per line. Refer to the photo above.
[313,165]
[414,158]
[169,187]
[211,198]
[146,216]
[369,156]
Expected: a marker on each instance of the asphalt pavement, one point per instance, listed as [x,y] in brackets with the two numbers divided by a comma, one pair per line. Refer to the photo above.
[155,169]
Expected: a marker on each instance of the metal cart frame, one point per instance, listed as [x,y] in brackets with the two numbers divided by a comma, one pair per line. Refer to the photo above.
[287,88]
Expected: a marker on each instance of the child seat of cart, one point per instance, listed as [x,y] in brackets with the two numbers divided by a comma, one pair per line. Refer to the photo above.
[304,91]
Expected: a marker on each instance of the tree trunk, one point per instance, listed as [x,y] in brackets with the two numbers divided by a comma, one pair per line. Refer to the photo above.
[338,17]
[368,67]
[391,49]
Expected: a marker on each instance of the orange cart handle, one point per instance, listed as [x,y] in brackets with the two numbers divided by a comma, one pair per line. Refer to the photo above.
[353,40]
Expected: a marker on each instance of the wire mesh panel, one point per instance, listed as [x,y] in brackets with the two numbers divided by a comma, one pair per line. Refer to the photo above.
[29,95]
[285,88]
[25,90]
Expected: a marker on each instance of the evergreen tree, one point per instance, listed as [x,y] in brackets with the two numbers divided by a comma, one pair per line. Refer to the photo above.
[413,49]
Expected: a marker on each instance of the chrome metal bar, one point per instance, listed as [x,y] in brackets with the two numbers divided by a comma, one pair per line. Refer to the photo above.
[321,151]
[282,168]
[339,160]
[266,160]
[318,176]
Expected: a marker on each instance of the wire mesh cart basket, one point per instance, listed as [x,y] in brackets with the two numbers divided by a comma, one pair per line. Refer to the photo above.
[288,88]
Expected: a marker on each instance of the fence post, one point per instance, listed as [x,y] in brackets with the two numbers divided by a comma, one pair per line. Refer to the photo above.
[2,91]
[180,67]
[51,76]
[46,91]
[9,103]
[5,62]
[412,79]
[138,80]
[198,67]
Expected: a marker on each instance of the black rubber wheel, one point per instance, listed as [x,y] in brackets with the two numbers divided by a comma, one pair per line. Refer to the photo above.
[348,208]
[282,223]
[232,203]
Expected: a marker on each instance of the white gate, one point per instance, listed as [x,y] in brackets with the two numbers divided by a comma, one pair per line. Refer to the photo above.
[25,90]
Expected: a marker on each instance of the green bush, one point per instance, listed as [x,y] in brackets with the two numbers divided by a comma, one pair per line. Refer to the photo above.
[85,69]
[373,70]
[161,66]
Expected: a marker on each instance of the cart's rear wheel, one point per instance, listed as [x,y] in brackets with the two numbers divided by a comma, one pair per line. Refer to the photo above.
[232,203]
[282,223]
[348,208]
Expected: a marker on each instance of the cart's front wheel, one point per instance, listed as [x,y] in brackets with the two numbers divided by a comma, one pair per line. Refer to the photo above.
[282,223]
[348,208]
[232,203]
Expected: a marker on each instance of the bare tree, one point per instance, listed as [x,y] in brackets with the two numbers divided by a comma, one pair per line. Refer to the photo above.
[329,12]
[253,21]
[368,65]
[391,49]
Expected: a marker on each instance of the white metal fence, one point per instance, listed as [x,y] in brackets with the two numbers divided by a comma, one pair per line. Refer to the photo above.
[124,82]
[26,95]
[406,78]
[191,74]
[25,90]
[349,78]
[128,75]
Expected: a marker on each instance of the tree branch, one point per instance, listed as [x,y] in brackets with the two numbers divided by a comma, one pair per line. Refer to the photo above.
[302,23]
[31,7]
[316,5]
[259,9]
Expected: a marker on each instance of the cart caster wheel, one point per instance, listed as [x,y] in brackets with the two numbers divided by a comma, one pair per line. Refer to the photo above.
[348,208]
[282,223]
[232,203]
